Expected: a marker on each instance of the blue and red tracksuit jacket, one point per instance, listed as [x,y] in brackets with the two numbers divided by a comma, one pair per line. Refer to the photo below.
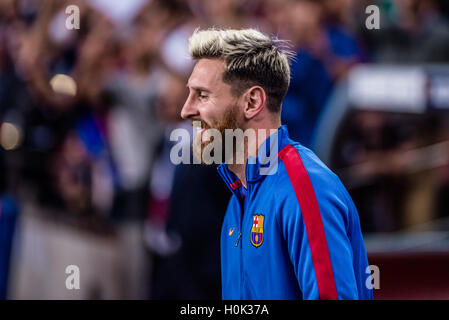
[291,234]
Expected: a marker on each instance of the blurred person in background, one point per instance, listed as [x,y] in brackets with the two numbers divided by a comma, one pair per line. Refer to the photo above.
[321,29]
[171,91]
[325,51]
[311,82]
[182,233]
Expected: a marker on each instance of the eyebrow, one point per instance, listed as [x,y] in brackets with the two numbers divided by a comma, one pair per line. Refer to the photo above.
[198,88]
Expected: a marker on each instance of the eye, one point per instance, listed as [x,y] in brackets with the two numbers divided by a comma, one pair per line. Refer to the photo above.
[202,96]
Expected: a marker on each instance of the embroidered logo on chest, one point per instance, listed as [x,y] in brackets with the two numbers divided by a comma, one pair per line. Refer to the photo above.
[257,230]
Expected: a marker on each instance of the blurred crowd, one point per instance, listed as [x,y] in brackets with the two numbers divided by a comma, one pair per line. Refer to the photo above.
[86,115]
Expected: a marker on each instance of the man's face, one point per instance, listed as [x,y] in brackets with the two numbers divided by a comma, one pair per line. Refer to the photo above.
[210,102]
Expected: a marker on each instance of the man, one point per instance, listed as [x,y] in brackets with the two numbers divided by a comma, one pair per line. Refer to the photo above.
[292,232]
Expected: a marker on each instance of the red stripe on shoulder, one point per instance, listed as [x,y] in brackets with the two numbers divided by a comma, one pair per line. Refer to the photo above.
[312,219]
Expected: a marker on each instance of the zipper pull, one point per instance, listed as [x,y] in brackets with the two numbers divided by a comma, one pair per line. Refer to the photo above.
[238,239]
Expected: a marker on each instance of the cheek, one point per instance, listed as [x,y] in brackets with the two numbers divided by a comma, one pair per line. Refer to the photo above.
[210,113]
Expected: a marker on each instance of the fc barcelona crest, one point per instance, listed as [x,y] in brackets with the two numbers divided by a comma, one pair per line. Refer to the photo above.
[257,230]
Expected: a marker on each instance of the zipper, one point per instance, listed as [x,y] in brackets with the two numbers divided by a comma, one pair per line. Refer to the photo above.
[241,265]
[226,175]
[238,239]
[242,273]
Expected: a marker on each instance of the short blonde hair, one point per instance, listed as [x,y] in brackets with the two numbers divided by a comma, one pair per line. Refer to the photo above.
[251,58]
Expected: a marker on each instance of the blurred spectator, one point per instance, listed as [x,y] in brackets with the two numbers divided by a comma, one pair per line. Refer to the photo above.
[183,232]
[171,97]
[310,82]
[325,51]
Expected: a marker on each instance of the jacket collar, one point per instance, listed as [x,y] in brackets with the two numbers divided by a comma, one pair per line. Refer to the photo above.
[266,162]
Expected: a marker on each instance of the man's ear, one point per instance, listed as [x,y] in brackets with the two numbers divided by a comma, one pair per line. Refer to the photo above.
[255,99]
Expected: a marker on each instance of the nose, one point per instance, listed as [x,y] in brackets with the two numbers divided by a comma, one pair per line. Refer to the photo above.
[189,109]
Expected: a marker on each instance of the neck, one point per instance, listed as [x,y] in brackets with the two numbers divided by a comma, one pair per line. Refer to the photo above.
[251,148]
